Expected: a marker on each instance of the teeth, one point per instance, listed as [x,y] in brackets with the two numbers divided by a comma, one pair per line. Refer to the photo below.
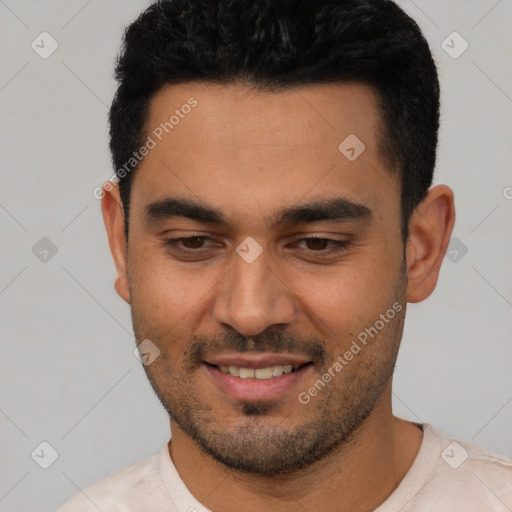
[259,373]
[277,371]
[263,373]
[246,373]
[234,370]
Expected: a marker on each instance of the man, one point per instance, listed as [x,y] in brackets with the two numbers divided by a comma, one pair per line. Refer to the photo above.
[273,217]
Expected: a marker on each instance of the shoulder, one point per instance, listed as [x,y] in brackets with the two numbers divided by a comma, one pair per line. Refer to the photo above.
[121,491]
[472,474]
[458,454]
[449,475]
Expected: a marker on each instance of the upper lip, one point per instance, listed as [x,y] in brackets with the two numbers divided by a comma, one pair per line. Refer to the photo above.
[252,360]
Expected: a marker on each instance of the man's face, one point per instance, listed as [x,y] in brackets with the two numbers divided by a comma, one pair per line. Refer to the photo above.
[269,165]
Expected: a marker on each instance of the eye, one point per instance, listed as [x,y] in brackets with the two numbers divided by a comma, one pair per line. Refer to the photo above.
[319,244]
[193,242]
[187,244]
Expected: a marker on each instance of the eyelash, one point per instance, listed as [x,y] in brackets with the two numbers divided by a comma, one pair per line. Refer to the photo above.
[339,245]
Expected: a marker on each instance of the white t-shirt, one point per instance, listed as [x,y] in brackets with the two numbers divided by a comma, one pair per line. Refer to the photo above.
[446,476]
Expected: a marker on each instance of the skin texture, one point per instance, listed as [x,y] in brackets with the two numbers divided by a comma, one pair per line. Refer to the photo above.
[250,154]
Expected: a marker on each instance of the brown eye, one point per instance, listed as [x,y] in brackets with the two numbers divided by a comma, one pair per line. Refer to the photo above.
[316,244]
[193,242]
[323,246]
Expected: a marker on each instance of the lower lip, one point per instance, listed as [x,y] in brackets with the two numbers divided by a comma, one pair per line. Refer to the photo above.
[256,390]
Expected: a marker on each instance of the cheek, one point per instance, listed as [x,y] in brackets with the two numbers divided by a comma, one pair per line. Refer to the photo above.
[166,297]
[346,299]
[162,283]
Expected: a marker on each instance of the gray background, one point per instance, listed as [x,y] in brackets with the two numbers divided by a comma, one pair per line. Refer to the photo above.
[67,372]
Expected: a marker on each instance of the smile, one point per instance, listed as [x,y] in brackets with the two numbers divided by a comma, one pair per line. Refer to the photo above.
[259,373]
[257,377]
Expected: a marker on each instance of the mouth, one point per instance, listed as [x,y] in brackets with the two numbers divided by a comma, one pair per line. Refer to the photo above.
[256,377]
[265,373]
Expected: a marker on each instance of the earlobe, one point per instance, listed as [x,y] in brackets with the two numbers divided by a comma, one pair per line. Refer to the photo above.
[430,229]
[113,217]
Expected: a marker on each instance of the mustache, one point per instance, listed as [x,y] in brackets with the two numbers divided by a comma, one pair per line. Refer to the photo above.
[267,341]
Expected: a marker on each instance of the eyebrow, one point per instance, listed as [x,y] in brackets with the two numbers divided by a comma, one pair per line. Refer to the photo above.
[335,209]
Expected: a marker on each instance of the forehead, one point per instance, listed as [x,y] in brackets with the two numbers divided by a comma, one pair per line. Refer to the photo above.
[240,115]
[230,145]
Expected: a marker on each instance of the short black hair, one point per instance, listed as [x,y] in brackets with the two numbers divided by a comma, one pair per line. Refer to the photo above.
[275,44]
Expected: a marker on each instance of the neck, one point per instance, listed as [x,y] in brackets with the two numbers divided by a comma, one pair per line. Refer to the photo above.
[358,476]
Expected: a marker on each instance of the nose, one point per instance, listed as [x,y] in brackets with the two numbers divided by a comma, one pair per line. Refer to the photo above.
[253,297]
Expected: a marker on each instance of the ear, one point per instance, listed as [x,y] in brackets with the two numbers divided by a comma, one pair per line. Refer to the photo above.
[113,216]
[430,229]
